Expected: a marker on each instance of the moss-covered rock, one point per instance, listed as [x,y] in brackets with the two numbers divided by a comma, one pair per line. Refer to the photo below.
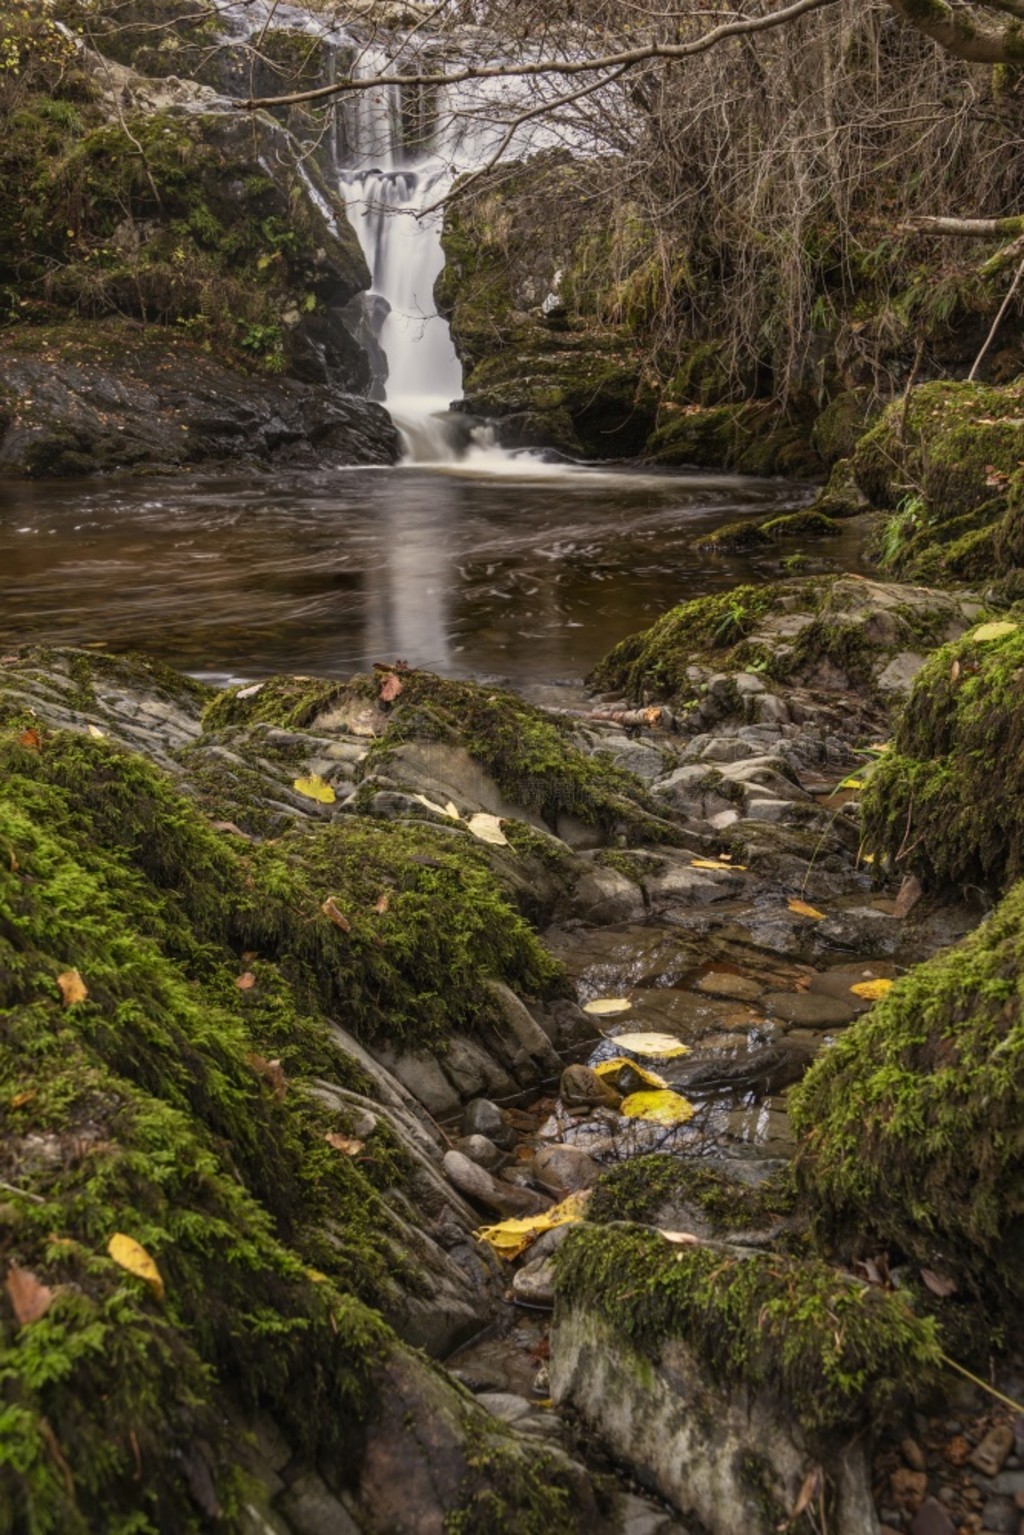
[763,532]
[642,1188]
[942,462]
[913,1135]
[946,801]
[753,438]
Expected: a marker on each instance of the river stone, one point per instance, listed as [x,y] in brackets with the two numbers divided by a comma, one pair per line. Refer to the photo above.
[476,1183]
[567,1167]
[482,1117]
[736,988]
[480,1150]
[807,1010]
[747,684]
[606,897]
[311,1508]
[773,810]
[534,1283]
[581,1087]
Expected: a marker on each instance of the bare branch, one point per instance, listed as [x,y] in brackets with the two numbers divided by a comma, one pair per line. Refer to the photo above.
[970,229]
[959,32]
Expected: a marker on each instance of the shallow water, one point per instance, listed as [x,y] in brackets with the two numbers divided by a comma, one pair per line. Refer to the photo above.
[501,567]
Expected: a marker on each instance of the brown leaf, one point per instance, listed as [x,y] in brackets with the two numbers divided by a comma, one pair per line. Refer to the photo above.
[330,910]
[246,981]
[380,905]
[20,1099]
[31,738]
[344,1143]
[954,672]
[72,988]
[28,1296]
[390,688]
[272,1073]
[939,1284]
[910,892]
[811,1489]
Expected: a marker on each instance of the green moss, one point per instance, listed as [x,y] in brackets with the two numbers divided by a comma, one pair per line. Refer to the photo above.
[807,524]
[946,802]
[837,1353]
[291,703]
[754,438]
[506,1493]
[734,537]
[636,1190]
[912,1129]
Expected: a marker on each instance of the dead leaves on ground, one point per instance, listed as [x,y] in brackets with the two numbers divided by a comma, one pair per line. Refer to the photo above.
[72,988]
[316,788]
[134,1259]
[30,1299]
[801,909]
[346,1144]
[333,914]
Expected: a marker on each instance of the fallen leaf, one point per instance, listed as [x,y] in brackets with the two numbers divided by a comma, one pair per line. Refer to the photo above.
[512,1237]
[910,892]
[446,810]
[330,910]
[246,981]
[250,691]
[315,787]
[97,734]
[661,1108]
[853,782]
[344,1143]
[871,991]
[663,1047]
[812,1487]
[994,631]
[939,1284]
[231,827]
[272,1073]
[30,738]
[801,909]
[390,688]
[133,1257]
[380,905]
[602,1007]
[715,863]
[613,1067]
[20,1099]
[72,988]
[954,671]
[487,828]
[682,1238]
[29,1297]
[315,1277]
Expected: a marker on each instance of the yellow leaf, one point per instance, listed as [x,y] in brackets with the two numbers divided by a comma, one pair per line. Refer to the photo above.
[431,804]
[315,787]
[613,1067]
[995,631]
[512,1237]
[662,1108]
[72,988]
[871,990]
[315,1276]
[603,1006]
[96,733]
[659,1046]
[801,909]
[853,782]
[487,828]
[715,863]
[132,1256]
[344,1143]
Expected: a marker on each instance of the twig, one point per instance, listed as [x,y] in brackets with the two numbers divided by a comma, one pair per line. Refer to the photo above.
[11,1188]
[1004,306]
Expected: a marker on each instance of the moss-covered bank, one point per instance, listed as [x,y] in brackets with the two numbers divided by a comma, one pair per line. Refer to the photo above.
[947,802]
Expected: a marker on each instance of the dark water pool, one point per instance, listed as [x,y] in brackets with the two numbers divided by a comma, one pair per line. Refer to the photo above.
[517,574]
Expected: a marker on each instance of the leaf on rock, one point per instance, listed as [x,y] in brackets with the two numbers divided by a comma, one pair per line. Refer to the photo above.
[133,1257]
[344,1143]
[31,738]
[871,991]
[97,734]
[390,688]
[29,1297]
[512,1237]
[250,691]
[315,1277]
[72,988]
[716,863]
[663,1047]
[853,782]
[315,787]
[20,1099]
[682,1238]
[602,1007]
[246,981]
[801,909]
[995,631]
[939,1284]
[613,1067]
[331,911]
[446,810]
[487,828]
[661,1108]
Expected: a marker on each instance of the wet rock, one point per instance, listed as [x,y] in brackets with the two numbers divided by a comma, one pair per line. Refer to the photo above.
[478,1184]
[1000,1515]
[480,1150]
[913,1454]
[773,810]
[582,1087]
[932,1519]
[567,1167]
[311,1508]
[534,1283]
[899,675]
[721,983]
[907,1488]
[482,1117]
[605,896]
[809,1010]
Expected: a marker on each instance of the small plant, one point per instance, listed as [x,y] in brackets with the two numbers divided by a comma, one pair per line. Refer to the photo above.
[899,530]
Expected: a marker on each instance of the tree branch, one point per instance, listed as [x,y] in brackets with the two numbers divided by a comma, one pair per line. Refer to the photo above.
[969,229]
[959,33]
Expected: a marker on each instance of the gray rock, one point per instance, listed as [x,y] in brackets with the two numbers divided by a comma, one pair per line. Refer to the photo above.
[748,684]
[768,709]
[480,1150]
[476,1183]
[1001,1516]
[604,897]
[722,983]
[728,749]
[567,1167]
[581,1087]
[311,1508]
[807,1010]
[482,1117]
[932,1519]
[771,810]
[899,675]
[534,1283]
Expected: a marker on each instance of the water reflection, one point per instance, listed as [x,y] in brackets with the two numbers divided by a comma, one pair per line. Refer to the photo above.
[522,577]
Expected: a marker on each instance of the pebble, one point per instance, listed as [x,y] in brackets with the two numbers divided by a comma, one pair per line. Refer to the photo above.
[1000,1516]
[990,1454]
[908,1488]
[534,1283]
[580,1086]
[477,1183]
[913,1454]
[482,1117]
[932,1519]
[479,1149]
[567,1167]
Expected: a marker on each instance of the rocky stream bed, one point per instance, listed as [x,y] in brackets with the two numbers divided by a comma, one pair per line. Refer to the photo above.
[311,981]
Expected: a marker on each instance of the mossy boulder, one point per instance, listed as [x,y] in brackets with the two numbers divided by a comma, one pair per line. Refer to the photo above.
[942,461]
[763,532]
[947,802]
[912,1124]
[753,438]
